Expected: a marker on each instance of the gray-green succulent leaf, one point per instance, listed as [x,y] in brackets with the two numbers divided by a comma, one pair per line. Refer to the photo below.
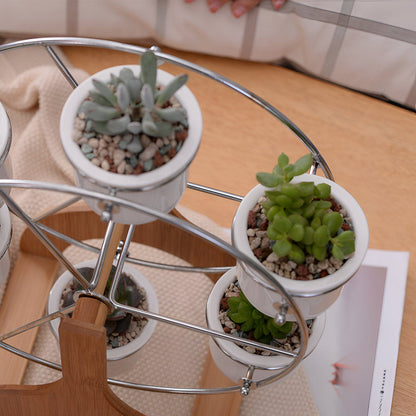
[148,64]
[123,96]
[105,91]
[126,74]
[147,97]
[118,125]
[134,86]
[169,90]
[134,127]
[175,115]
[97,112]
[99,99]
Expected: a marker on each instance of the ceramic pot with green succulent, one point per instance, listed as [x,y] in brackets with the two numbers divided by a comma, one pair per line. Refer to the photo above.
[229,311]
[307,230]
[126,333]
[132,131]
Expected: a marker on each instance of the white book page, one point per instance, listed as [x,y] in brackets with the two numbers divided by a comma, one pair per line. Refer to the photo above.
[352,370]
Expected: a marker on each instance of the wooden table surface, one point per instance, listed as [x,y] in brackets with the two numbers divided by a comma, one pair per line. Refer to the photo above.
[368,144]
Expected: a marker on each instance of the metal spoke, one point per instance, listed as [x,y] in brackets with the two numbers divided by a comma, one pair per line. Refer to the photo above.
[61,66]
[133,260]
[38,322]
[43,239]
[213,191]
[56,209]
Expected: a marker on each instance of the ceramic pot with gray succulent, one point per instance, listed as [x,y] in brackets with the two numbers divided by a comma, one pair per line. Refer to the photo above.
[132,131]
[126,333]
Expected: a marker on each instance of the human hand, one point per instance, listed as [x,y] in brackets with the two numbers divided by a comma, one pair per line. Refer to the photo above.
[238,7]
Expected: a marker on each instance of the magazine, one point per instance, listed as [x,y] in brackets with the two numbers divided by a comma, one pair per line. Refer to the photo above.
[352,370]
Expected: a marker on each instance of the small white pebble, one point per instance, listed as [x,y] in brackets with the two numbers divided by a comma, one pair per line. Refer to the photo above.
[95,161]
[255,243]
[105,165]
[94,143]
[118,156]
[121,167]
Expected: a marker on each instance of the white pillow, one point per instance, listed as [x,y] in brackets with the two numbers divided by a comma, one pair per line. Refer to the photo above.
[367,45]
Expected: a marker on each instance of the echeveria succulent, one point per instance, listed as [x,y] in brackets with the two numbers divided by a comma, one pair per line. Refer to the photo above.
[134,104]
[301,221]
[249,318]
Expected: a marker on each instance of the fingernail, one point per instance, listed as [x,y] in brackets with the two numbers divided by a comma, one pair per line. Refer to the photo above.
[277,4]
[238,10]
[215,6]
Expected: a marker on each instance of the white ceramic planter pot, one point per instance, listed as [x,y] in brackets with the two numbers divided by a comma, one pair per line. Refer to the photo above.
[5,237]
[160,189]
[5,143]
[118,359]
[232,360]
[312,296]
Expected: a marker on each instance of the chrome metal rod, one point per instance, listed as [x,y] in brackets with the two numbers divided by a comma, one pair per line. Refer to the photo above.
[61,66]
[43,239]
[38,322]
[56,209]
[30,357]
[213,191]
[120,383]
[133,260]
[122,256]
[200,329]
[176,268]
[174,390]
[102,255]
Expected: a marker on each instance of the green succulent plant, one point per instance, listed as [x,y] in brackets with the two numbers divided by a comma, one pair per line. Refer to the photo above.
[301,221]
[249,318]
[134,104]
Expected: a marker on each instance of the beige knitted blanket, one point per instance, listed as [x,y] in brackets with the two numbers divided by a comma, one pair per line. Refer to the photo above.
[33,92]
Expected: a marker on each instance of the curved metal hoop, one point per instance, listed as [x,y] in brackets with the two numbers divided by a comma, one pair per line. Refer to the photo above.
[319,162]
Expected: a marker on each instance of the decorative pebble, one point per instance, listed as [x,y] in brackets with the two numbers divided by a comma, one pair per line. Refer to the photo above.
[130,153]
[135,146]
[118,156]
[86,148]
[105,165]
[148,153]
[147,165]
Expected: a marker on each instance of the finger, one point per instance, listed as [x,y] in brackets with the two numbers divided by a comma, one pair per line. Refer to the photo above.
[215,5]
[277,4]
[240,7]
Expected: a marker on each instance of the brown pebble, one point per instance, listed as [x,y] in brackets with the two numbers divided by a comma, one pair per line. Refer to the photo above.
[264,224]
[224,303]
[324,273]
[226,329]
[345,226]
[262,252]
[252,219]
[302,270]
[181,135]
[138,169]
[158,160]
[172,152]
